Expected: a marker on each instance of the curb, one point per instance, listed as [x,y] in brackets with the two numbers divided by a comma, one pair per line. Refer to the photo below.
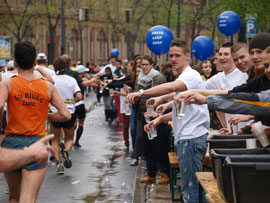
[139,189]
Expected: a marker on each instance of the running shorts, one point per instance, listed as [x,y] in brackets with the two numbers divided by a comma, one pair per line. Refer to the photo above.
[68,124]
[20,142]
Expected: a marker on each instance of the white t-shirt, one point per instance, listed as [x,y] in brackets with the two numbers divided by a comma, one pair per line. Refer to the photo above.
[196,121]
[113,68]
[224,81]
[67,87]
[47,70]
[6,75]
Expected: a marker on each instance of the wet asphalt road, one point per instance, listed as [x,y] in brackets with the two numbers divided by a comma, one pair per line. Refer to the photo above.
[100,172]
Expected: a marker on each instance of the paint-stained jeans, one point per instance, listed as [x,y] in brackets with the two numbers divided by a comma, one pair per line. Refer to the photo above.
[190,155]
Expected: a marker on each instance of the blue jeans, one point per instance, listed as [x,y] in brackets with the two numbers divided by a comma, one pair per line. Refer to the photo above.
[190,155]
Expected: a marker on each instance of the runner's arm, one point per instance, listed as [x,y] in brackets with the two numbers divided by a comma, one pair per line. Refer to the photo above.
[78,96]
[45,74]
[62,114]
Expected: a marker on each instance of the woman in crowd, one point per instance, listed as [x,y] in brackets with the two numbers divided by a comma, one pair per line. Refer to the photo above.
[108,100]
[155,150]
[208,68]
[128,80]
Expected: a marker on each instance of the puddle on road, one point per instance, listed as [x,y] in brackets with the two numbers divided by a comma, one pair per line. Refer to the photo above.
[110,189]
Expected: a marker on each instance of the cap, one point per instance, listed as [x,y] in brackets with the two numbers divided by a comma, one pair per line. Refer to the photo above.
[81,69]
[41,56]
[260,41]
[10,65]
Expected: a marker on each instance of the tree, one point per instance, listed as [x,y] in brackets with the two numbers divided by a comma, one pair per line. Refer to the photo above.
[17,21]
[115,16]
[50,12]
[258,9]
[169,10]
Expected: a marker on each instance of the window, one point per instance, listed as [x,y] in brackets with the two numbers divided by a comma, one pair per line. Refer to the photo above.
[74,44]
[101,44]
[28,34]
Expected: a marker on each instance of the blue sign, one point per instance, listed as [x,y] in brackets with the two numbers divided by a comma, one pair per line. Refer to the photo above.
[251,27]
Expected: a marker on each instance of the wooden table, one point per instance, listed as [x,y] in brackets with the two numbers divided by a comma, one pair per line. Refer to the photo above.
[209,184]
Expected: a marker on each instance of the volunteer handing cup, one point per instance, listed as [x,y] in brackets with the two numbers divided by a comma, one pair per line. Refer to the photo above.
[152,133]
[181,107]
[260,134]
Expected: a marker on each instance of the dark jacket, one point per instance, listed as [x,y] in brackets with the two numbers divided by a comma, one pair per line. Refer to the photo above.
[255,85]
[157,80]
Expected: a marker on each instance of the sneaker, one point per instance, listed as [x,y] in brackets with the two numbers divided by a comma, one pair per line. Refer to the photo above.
[164,179]
[65,155]
[134,162]
[148,179]
[60,169]
[77,145]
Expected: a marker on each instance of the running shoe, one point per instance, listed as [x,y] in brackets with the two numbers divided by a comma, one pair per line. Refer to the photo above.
[67,162]
[77,145]
[60,169]
[134,162]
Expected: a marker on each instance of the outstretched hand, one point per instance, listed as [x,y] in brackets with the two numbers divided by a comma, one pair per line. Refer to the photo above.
[40,149]
[132,97]
[191,97]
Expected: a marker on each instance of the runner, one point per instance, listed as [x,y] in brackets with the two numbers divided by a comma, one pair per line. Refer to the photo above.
[28,97]
[80,107]
[71,93]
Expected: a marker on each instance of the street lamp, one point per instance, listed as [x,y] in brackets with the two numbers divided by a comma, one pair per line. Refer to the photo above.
[62,50]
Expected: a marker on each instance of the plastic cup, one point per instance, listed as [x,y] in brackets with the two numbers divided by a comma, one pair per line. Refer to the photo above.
[152,133]
[234,129]
[101,89]
[260,134]
[181,108]
[128,109]
[147,119]
[150,110]
[251,144]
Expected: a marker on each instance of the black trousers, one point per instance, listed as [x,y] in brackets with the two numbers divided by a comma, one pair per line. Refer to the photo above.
[156,150]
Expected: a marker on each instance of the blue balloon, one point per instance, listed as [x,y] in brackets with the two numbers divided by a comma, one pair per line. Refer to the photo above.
[115,51]
[158,39]
[229,23]
[203,47]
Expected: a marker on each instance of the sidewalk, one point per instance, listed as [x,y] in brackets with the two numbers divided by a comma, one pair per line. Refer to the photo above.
[150,193]
[154,193]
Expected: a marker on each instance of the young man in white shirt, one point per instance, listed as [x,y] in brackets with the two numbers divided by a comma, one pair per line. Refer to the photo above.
[226,80]
[191,131]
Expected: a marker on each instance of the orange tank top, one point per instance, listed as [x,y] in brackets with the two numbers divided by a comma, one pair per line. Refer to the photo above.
[28,102]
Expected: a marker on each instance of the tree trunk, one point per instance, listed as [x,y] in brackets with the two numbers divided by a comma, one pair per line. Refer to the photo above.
[130,40]
[51,46]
